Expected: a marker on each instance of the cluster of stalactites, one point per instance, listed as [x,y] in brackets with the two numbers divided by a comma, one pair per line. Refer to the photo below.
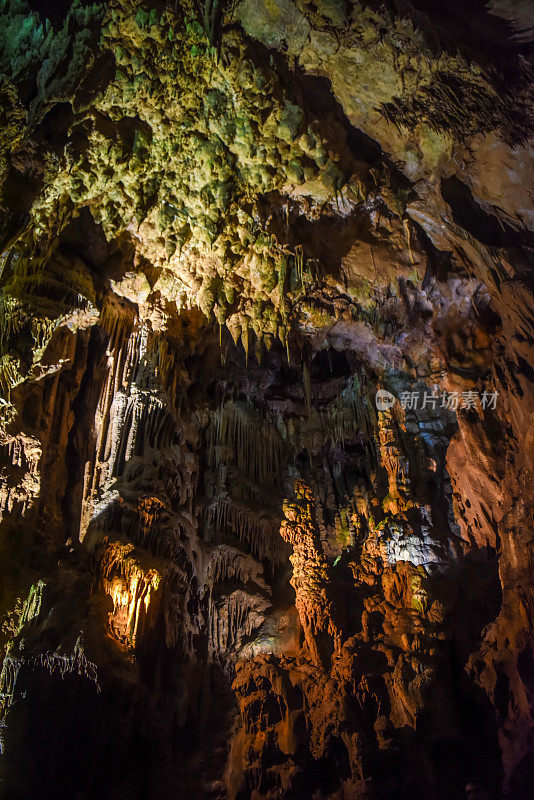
[20,458]
[237,434]
[234,618]
[245,459]
[254,531]
[131,588]
[132,416]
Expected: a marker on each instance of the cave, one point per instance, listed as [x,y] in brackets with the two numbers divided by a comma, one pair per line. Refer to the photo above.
[266,400]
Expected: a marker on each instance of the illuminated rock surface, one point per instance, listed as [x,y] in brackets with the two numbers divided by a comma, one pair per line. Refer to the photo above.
[225,571]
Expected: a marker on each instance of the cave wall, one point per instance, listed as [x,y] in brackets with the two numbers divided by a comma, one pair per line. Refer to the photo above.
[228,570]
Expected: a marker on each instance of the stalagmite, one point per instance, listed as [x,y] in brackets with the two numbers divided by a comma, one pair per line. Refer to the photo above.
[310,575]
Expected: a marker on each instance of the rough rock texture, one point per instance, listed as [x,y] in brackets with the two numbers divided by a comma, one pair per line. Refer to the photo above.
[228,571]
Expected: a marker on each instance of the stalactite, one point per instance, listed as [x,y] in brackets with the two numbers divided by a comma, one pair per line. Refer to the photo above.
[234,619]
[77,664]
[19,473]
[229,565]
[8,681]
[256,447]
[226,517]
[131,416]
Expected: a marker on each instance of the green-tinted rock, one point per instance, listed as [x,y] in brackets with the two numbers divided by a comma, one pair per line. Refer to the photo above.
[276,23]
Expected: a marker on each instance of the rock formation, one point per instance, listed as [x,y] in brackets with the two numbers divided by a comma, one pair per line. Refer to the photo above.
[266,412]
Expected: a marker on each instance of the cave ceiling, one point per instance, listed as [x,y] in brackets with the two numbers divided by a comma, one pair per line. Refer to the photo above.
[266,407]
